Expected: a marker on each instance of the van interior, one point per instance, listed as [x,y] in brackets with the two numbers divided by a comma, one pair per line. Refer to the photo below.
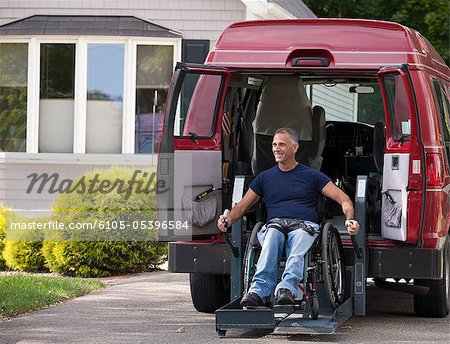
[342,146]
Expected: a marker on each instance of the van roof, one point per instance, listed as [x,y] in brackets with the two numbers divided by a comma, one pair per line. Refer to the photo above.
[352,43]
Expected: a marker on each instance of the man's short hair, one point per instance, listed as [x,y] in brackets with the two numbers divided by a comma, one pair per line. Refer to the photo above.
[291,132]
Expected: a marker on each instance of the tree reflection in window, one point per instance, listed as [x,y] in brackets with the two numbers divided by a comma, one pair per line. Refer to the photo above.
[56,103]
[154,67]
[13,96]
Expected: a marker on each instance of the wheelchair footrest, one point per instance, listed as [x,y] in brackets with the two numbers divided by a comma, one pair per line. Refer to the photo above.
[298,306]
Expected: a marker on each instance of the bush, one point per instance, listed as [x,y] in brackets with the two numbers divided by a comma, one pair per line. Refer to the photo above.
[2,236]
[21,253]
[106,247]
[24,255]
[98,259]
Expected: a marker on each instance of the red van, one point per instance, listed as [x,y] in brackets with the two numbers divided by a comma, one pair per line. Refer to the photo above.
[367,98]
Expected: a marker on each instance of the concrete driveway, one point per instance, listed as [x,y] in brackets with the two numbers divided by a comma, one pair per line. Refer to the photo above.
[156,308]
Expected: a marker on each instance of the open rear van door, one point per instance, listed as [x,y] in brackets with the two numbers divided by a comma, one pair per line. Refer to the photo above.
[190,156]
[404,165]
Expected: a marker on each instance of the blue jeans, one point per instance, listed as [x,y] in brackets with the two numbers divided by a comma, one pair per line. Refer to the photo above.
[272,240]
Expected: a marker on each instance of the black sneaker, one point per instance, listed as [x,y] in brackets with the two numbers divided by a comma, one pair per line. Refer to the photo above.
[284,297]
[251,300]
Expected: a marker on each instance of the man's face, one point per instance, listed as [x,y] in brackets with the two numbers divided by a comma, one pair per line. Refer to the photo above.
[283,148]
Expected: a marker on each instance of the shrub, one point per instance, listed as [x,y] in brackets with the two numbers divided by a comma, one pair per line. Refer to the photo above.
[24,255]
[106,247]
[102,258]
[21,253]
[2,236]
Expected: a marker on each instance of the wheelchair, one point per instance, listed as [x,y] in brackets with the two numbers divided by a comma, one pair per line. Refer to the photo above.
[324,268]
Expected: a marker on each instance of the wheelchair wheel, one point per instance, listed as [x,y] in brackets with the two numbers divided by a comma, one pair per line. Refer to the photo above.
[333,265]
[251,256]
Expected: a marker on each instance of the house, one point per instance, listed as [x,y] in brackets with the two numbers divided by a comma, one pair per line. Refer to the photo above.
[83,83]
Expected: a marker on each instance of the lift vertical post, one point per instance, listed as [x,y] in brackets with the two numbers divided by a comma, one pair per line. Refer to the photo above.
[236,262]
[240,183]
[359,295]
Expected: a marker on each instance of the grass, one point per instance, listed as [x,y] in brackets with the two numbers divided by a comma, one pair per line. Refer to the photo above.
[23,293]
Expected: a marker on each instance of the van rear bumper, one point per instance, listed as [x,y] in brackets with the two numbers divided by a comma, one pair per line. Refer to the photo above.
[408,263]
[199,257]
[382,262]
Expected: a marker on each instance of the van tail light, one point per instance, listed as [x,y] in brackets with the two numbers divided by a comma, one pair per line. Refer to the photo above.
[435,170]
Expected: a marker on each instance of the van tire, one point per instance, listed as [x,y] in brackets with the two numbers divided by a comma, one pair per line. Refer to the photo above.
[209,291]
[436,304]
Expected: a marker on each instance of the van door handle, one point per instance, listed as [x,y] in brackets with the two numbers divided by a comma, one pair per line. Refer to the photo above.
[389,197]
[395,162]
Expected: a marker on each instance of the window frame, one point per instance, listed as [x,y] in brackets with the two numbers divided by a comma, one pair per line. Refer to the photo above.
[29,123]
[35,107]
[442,100]
[80,99]
[130,117]
[395,130]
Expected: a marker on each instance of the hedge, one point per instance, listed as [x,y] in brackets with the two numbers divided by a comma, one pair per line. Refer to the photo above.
[102,258]
[23,250]
[94,252]
[2,236]
[24,256]
[105,250]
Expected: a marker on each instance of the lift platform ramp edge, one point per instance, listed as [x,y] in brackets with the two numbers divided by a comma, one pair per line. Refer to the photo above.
[294,319]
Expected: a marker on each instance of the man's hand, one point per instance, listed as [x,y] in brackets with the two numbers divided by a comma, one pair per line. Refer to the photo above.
[222,223]
[352,226]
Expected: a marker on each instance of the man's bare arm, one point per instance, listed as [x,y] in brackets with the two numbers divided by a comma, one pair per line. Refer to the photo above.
[238,210]
[330,190]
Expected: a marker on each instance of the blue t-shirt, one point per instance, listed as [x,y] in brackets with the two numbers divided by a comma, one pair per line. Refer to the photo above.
[292,194]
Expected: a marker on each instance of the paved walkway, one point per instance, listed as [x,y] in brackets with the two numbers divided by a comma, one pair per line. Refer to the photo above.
[130,310]
[156,308]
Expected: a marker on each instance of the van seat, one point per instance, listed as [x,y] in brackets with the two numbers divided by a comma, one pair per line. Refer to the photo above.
[283,103]
[319,137]
[263,157]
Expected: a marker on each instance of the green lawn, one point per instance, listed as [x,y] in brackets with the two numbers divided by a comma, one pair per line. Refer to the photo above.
[24,293]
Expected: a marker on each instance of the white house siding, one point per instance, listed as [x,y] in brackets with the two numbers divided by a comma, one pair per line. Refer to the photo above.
[14,183]
[339,104]
[196,19]
[15,180]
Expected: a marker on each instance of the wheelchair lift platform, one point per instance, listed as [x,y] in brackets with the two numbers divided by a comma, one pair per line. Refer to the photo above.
[282,319]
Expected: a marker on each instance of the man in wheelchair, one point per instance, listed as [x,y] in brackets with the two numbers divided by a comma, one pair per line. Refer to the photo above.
[290,191]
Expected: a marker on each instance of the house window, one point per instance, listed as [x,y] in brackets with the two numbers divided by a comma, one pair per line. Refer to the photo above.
[56,103]
[104,108]
[154,67]
[13,96]
[84,95]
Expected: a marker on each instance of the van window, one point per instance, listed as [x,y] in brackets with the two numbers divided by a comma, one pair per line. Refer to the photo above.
[198,104]
[398,108]
[370,105]
[443,106]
